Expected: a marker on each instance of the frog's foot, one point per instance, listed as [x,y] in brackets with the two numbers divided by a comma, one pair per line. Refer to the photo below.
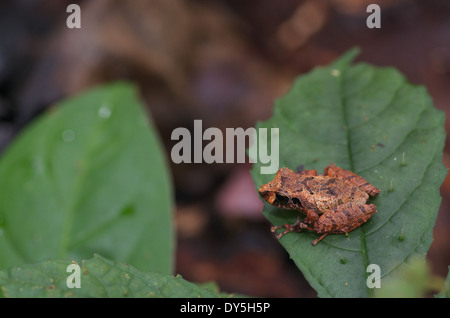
[319,239]
[288,229]
[296,227]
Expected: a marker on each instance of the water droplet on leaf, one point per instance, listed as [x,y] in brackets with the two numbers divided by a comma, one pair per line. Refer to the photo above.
[335,72]
[68,135]
[104,112]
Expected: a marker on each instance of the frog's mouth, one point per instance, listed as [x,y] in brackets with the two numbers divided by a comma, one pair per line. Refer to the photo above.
[269,196]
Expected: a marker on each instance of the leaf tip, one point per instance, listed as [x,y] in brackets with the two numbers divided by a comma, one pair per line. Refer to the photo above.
[345,59]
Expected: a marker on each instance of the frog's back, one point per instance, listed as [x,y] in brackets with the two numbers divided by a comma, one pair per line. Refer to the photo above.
[327,193]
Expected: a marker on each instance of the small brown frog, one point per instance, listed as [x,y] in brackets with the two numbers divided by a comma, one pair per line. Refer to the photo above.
[334,203]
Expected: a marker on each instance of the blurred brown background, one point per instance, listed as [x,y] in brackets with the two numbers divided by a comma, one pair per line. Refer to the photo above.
[225,62]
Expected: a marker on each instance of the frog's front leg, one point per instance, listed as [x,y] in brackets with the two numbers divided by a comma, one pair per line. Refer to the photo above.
[311,218]
[288,228]
[343,219]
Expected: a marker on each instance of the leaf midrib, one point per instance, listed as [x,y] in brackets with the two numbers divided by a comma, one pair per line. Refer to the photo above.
[363,246]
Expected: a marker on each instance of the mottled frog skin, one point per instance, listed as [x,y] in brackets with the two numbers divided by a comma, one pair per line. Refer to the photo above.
[334,203]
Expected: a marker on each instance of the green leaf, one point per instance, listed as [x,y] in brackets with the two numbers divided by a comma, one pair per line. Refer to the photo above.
[372,121]
[87,177]
[99,277]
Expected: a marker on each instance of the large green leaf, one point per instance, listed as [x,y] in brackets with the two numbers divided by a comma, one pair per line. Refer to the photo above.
[372,121]
[88,177]
[99,277]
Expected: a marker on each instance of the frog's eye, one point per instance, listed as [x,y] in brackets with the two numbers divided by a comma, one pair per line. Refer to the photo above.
[281,199]
[296,202]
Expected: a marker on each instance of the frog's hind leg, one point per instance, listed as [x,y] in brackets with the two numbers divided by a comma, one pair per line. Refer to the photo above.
[319,239]
[336,172]
[343,219]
